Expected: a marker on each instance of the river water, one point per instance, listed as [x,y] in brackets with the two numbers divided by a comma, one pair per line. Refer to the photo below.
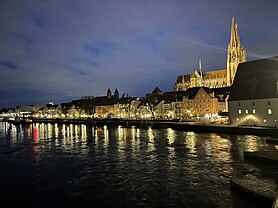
[54,165]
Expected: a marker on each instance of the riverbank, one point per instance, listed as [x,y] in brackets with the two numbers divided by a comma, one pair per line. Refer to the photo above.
[177,125]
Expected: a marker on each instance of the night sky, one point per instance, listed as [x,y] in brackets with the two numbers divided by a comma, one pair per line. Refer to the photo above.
[59,50]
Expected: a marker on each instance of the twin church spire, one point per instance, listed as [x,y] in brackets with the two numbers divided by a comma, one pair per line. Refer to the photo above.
[236,54]
[234,38]
[218,78]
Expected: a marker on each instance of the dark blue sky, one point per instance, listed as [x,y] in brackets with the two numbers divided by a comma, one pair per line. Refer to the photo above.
[59,50]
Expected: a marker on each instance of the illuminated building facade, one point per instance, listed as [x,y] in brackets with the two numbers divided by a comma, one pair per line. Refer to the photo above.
[217,78]
[205,102]
[126,108]
[254,95]
[194,102]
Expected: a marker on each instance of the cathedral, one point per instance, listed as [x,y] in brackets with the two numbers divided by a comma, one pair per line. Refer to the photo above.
[217,78]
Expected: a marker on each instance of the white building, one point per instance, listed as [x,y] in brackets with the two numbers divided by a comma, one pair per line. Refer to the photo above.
[254,95]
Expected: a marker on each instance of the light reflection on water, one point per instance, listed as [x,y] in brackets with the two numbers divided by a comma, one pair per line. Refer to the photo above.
[128,166]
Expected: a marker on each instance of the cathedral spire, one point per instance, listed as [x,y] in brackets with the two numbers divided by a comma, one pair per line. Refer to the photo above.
[200,67]
[234,39]
[237,36]
[236,53]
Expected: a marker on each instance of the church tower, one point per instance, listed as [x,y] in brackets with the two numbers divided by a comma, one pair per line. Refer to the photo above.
[116,94]
[109,93]
[236,53]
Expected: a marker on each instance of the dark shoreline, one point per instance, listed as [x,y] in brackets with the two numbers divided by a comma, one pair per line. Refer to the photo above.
[177,125]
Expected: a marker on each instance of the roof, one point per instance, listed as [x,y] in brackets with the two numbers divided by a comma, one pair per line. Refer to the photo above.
[157,91]
[25,108]
[181,77]
[222,92]
[191,92]
[216,73]
[256,80]
[173,96]
[100,101]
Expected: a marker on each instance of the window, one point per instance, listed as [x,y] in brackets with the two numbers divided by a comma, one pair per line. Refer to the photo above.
[254,111]
[238,104]
[253,103]
[239,112]
[269,103]
[246,111]
[269,111]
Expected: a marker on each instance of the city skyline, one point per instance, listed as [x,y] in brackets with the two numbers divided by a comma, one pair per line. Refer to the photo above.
[62,51]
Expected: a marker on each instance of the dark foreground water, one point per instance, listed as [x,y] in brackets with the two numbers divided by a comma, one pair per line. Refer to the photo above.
[50,165]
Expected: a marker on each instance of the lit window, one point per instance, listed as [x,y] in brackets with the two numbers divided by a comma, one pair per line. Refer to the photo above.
[269,112]
[254,111]
[246,111]
[264,120]
[239,112]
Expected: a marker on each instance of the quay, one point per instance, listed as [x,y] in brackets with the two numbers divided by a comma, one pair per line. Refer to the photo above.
[263,189]
[177,125]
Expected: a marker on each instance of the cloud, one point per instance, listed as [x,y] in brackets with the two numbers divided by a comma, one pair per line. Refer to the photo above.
[77,48]
[41,22]
[8,64]
[99,47]
[25,96]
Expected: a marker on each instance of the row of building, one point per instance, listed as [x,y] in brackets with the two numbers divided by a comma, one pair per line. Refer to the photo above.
[194,103]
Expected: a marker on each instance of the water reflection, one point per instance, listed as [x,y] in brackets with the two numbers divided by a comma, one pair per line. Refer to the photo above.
[251,143]
[151,146]
[190,139]
[219,147]
[131,164]
[36,147]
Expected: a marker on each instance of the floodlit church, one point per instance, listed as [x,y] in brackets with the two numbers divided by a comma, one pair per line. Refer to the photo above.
[217,78]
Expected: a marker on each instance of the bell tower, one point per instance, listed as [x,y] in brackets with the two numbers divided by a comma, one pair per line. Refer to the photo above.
[235,55]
